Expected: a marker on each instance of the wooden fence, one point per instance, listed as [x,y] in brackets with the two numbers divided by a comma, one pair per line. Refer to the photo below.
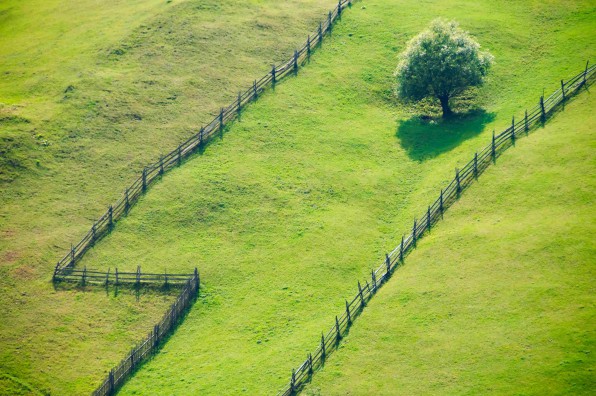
[463,178]
[86,276]
[154,171]
[143,350]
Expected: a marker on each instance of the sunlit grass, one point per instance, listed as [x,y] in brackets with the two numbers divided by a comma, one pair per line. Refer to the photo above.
[318,180]
[499,298]
[90,91]
[296,202]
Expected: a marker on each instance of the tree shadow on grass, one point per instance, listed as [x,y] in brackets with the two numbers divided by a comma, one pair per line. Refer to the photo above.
[424,139]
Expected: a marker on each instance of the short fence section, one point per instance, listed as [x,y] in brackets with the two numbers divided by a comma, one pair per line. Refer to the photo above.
[154,171]
[463,178]
[85,276]
[118,375]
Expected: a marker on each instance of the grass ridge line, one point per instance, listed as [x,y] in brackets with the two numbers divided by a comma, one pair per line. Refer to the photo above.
[545,109]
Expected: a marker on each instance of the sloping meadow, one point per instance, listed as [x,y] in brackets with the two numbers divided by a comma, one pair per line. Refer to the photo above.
[498,299]
[305,194]
[89,93]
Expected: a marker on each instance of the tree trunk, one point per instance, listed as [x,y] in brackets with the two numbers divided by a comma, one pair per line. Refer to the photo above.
[445,106]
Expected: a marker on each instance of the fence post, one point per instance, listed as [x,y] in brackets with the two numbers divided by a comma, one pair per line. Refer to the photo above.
[388,264]
[126,201]
[72,255]
[563,89]
[308,46]
[144,179]
[320,32]
[110,216]
[401,250]
[108,277]
[361,296]
[84,276]
[172,316]
[428,222]
[295,61]
[322,347]
[441,202]
[476,164]
[310,364]
[93,232]
[339,8]
[239,102]
[273,75]
[197,280]
[116,277]
[138,275]
[201,135]
[166,276]
[457,180]
[156,336]
[221,120]
[179,155]
[494,148]
[348,313]
[293,382]
[373,280]
[254,89]
[513,129]
[526,121]
[414,233]
[586,71]
[111,382]
[542,108]
[329,21]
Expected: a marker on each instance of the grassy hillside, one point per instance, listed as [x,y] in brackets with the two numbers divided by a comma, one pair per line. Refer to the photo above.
[115,84]
[306,193]
[499,298]
[88,93]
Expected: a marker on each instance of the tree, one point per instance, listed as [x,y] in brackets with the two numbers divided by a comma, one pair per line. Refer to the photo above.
[442,62]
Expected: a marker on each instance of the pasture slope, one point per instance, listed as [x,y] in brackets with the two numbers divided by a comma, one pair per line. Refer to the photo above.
[499,298]
[89,92]
[317,181]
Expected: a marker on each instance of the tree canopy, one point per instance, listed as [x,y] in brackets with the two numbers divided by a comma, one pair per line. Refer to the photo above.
[442,62]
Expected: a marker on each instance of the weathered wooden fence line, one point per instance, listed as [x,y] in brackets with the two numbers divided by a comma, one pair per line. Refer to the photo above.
[143,350]
[463,178]
[154,171]
[87,276]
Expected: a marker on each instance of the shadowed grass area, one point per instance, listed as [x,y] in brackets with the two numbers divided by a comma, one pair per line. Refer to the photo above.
[499,298]
[424,138]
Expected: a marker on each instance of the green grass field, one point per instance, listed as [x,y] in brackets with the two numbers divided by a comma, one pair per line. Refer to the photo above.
[305,194]
[499,298]
[89,92]
[298,201]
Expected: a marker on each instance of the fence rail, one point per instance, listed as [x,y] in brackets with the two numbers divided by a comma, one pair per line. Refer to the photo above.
[154,171]
[140,352]
[463,178]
